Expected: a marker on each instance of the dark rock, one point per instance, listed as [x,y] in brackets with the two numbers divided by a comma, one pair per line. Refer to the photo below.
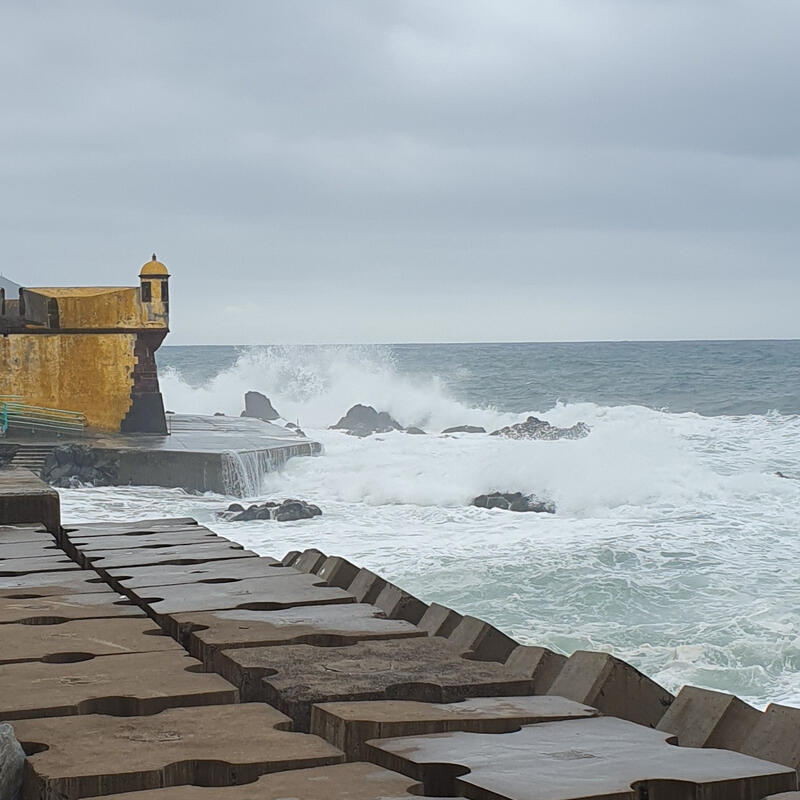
[416,431]
[788,477]
[291,425]
[288,510]
[514,501]
[365,420]
[465,429]
[71,464]
[534,428]
[218,414]
[258,406]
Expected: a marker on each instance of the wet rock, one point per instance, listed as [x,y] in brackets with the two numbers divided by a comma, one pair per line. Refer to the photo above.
[288,510]
[258,406]
[514,501]
[365,420]
[219,414]
[465,429]
[788,477]
[534,428]
[72,464]
[412,429]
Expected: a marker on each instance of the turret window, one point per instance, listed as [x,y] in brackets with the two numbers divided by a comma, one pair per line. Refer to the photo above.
[164,291]
[147,292]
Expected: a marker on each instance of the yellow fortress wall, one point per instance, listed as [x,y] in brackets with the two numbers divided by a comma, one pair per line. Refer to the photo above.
[89,349]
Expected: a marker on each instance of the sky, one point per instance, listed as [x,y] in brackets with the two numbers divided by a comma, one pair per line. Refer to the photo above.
[411,170]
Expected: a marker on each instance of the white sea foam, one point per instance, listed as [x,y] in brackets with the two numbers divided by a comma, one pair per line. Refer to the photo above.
[673,544]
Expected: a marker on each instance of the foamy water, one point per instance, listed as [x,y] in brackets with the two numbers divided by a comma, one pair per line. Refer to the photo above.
[673,547]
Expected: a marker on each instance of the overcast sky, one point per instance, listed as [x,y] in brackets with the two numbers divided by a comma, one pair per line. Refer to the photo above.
[412,170]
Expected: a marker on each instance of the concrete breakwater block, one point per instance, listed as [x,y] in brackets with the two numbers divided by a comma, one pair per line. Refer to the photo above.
[216,746]
[479,640]
[132,526]
[337,571]
[398,604]
[53,609]
[776,736]
[309,560]
[612,686]
[439,620]
[181,554]
[78,640]
[255,594]
[366,586]
[58,562]
[294,677]
[206,633]
[349,725]
[141,683]
[577,760]
[702,718]
[26,498]
[356,781]
[37,549]
[539,664]
[43,584]
[10,534]
[209,572]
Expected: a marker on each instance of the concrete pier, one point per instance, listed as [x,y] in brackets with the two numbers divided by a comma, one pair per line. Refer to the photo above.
[172,664]
[25,498]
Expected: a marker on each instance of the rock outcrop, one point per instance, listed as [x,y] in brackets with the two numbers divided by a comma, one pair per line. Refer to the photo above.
[285,511]
[534,428]
[365,420]
[69,464]
[413,429]
[258,406]
[465,429]
[514,501]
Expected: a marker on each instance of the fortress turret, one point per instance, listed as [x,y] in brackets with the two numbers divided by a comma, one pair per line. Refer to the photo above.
[154,289]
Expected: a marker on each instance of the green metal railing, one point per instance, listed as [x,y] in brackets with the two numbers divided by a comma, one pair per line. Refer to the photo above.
[18,416]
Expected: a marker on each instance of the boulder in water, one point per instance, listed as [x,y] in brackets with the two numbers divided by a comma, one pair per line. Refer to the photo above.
[365,420]
[465,429]
[534,428]
[413,429]
[514,501]
[285,511]
[258,406]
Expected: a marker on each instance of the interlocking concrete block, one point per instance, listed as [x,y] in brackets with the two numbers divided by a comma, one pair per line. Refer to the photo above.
[43,584]
[397,604]
[10,534]
[612,686]
[349,725]
[289,559]
[26,498]
[481,641]
[122,685]
[702,718]
[294,677]
[539,664]
[356,781]
[17,550]
[182,554]
[53,609]
[84,529]
[366,586]
[79,640]
[784,796]
[776,737]
[206,633]
[13,567]
[254,594]
[440,620]
[580,759]
[210,572]
[337,571]
[216,746]
[310,560]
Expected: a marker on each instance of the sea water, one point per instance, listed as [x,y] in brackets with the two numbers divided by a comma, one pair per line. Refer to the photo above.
[675,545]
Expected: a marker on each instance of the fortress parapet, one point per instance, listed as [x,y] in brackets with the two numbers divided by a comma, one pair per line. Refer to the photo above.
[89,349]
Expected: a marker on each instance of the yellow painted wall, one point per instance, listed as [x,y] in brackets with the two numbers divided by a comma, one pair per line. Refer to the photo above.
[90,373]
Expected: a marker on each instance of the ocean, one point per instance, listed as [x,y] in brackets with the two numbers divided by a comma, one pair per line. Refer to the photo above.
[675,545]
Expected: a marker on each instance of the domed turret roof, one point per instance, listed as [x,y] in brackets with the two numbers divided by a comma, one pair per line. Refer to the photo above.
[154,267]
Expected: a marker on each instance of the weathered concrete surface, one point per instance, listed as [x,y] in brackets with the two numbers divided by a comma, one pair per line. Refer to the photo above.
[31,532]
[149,525]
[539,664]
[25,498]
[44,584]
[481,641]
[210,572]
[179,554]
[349,725]
[255,594]
[218,745]
[612,686]
[37,549]
[776,737]
[398,604]
[122,685]
[357,781]
[366,586]
[440,620]
[11,567]
[75,640]
[576,760]
[337,571]
[205,633]
[53,609]
[702,718]
[294,677]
